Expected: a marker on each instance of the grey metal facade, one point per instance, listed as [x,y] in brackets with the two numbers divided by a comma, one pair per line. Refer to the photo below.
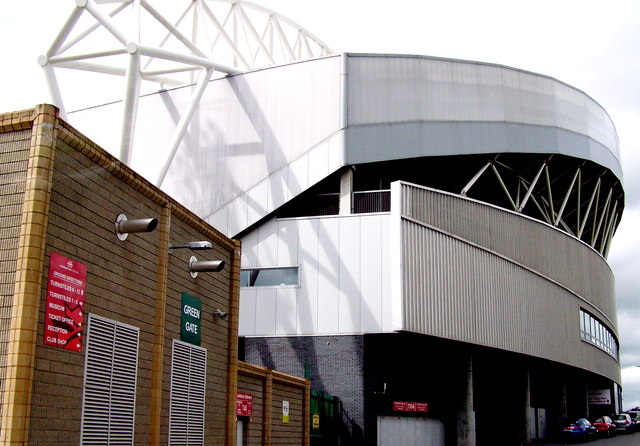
[479,274]
[496,194]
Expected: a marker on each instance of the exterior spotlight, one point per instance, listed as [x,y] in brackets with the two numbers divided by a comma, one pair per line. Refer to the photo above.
[193,246]
[218,313]
[124,226]
[203,266]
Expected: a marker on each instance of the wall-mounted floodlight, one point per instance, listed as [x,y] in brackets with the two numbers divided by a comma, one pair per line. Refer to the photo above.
[201,266]
[193,246]
[124,227]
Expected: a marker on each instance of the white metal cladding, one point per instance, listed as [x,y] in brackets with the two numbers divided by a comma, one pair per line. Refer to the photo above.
[187,398]
[109,398]
[344,281]
[261,138]
[409,106]
[526,241]
[271,131]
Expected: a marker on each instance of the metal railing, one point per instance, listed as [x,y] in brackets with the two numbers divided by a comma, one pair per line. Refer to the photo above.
[371,201]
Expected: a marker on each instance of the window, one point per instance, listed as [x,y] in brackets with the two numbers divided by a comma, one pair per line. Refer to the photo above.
[595,332]
[186,407]
[110,373]
[284,276]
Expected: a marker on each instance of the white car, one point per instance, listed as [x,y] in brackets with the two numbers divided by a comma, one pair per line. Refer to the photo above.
[624,423]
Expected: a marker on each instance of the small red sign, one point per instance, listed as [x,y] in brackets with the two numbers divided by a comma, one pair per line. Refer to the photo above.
[64,314]
[409,406]
[244,405]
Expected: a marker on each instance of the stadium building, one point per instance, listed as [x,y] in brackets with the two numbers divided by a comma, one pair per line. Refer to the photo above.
[426,239]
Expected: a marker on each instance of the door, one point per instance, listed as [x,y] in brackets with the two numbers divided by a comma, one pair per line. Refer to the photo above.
[410,431]
[240,432]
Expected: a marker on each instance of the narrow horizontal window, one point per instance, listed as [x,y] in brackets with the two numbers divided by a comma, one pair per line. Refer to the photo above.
[282,276]
[596,333]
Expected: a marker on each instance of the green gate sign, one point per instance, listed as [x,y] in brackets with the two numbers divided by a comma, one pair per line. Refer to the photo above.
[190,320]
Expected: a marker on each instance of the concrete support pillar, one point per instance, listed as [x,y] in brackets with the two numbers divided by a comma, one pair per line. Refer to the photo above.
[346,192]
[466,426]
[530,416]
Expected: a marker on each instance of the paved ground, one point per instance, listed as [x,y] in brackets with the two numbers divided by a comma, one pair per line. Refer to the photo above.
[618,440]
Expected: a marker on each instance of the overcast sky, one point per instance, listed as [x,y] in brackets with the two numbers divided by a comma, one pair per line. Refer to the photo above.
[591,45]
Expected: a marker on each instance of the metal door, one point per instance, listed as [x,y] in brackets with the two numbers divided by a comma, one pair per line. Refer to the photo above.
[410,431]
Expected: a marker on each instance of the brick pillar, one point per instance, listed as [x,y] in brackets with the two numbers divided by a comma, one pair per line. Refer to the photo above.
[159,325]
[16,403]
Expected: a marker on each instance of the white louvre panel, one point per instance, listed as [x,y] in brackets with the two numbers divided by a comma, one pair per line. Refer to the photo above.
[186,412]
[108,405]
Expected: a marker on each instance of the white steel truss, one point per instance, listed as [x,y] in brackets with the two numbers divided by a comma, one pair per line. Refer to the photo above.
[593,220]
[170,43]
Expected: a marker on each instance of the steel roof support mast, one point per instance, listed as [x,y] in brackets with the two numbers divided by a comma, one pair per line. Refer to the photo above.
[175,59]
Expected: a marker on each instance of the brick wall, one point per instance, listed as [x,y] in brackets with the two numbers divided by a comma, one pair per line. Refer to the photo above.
[89,189]
[269,390]
[335,365]
[14,150]
[254,386]
[62,194]
[285,432]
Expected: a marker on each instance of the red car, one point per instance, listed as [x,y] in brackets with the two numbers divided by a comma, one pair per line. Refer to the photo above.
[605,426]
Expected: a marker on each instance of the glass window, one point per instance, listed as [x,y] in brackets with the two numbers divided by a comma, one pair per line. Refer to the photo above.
[284,276]
[597,333]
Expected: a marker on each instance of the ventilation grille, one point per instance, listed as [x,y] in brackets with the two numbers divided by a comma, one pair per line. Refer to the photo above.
[108,405]
[186,412]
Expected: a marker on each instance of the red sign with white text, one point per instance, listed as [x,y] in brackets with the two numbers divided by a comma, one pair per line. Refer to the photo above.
[408,406]
[64,314]
[244,405]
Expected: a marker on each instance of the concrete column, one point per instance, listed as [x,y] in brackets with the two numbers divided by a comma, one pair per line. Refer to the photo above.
[530,416]
[346,192]
[466,425]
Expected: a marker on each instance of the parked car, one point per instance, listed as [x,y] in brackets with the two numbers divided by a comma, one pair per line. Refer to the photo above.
[624,423]
[580,429]
[605,426]
[635,417]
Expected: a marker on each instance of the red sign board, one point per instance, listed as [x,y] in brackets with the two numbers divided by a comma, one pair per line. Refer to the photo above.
[407,406]
[244,404]
[64,314]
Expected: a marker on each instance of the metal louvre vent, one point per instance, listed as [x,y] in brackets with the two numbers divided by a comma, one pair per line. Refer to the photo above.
[109,400]
[188,378]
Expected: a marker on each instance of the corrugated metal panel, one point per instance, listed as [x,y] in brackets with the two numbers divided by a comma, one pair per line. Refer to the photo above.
[468,276]
[109,399]
[395,90]
[187,394]
[548,251]
[410,431]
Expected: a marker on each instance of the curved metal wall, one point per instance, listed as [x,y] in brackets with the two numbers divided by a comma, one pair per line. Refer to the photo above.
[476,273]
[409,106]
[525,241]
[261,138]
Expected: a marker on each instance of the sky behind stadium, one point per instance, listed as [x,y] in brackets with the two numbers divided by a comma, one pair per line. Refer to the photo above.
[591,45]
